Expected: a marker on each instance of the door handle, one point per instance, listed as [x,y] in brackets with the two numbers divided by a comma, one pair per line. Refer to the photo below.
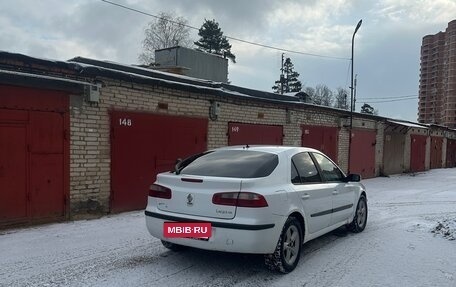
[305,196]
[335,192]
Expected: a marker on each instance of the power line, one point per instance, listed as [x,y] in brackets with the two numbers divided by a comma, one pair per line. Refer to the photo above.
[229,37]
[148,14]
[389,98]
[387,101]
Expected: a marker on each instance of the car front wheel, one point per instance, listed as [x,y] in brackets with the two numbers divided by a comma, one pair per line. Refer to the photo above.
[288,251]
[360,220]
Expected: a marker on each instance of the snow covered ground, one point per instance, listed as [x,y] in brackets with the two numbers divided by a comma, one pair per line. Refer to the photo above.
[407,242]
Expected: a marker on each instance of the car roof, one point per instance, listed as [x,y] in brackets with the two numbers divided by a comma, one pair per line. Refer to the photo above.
[269,148]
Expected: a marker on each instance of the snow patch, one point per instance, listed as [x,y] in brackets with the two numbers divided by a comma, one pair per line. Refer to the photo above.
[446,228]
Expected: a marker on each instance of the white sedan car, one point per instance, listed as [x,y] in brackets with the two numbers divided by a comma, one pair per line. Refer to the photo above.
[254,199]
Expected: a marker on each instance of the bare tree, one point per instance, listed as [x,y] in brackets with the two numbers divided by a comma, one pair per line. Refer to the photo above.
[310,91]
[323,96]
[341,99]
[164,32]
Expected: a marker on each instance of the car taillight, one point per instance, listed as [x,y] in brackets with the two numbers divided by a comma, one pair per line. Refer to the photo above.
[250,199]
[225,198]
[241,199]
[159,191]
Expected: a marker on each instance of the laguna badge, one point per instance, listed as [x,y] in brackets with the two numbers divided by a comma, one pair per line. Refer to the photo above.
[189,199]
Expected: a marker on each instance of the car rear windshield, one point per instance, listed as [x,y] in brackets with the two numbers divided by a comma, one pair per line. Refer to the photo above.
[233,163]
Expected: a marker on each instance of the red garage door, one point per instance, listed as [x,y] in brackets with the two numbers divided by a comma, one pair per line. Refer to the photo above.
[362,160]
[243,134]
[34,177]
[436,152]
[13,172]
[321,138]
[451,153]
[417,153]
[144,145]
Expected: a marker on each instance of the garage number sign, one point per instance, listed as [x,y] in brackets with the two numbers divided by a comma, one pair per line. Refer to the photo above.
[125,122]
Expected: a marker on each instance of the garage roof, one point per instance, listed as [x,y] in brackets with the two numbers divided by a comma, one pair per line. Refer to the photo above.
[407,124]
[90,69]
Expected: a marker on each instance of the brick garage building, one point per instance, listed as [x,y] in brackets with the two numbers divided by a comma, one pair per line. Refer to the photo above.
[405,147]
[126,123]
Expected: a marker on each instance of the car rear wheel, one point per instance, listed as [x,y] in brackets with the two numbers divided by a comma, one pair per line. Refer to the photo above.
[360,220]
[172,246]
[288,251]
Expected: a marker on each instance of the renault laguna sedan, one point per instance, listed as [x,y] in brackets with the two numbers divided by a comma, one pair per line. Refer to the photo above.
[254,199]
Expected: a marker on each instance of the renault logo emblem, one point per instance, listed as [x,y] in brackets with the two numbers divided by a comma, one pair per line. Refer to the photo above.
[189,199]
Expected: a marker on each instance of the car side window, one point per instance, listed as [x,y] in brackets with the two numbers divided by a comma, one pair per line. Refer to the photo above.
[306,170]
[295,179]
[330,171]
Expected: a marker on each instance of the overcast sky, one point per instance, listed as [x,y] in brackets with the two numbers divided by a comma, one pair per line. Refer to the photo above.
[387,46]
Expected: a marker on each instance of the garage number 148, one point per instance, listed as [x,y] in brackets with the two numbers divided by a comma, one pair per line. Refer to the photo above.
[125,122]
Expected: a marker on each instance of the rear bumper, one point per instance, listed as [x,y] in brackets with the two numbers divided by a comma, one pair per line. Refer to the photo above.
[226,236]
[214,224]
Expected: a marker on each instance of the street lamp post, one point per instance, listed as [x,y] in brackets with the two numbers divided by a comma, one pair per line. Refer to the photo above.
[351,94]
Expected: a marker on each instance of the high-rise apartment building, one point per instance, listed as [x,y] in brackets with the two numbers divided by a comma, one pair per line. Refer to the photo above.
[437,93]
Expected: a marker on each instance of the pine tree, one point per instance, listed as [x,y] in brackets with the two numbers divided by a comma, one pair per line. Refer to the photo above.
[289,81]
[212,40]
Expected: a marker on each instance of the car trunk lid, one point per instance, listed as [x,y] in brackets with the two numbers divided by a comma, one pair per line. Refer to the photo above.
[192,195]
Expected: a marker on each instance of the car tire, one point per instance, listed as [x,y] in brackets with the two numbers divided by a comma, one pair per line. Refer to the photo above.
[288,250]
[360,219]
[172,246]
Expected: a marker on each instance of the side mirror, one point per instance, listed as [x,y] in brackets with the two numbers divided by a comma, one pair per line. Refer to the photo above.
[177,165]
[353,177]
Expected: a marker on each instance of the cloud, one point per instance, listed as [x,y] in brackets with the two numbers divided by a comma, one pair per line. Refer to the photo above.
[15,38]
[110,32]
[420,12]
[304,13]
[63,30]
[233,16]
[387,45]
[331,40]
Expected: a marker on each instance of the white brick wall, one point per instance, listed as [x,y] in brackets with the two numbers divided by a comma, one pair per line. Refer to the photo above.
[343,149]
[444,152]
[379,148]
[427,164]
